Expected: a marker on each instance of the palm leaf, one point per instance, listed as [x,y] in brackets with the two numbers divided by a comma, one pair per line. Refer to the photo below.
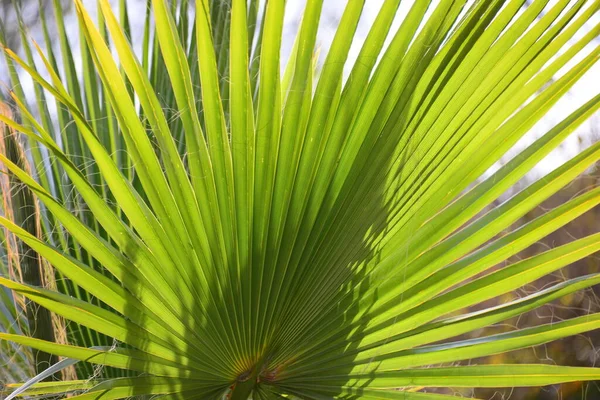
[224,229]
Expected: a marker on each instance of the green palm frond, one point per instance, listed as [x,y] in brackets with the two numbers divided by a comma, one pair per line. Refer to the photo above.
[221,227]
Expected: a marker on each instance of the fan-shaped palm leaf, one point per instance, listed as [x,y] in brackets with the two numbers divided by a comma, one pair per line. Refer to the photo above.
[240,232]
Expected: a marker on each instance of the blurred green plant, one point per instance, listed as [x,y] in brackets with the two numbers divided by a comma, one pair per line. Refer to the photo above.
[17,362]
[219,229]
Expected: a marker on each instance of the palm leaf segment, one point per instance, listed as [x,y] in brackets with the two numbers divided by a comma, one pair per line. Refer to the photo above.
[243,232]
